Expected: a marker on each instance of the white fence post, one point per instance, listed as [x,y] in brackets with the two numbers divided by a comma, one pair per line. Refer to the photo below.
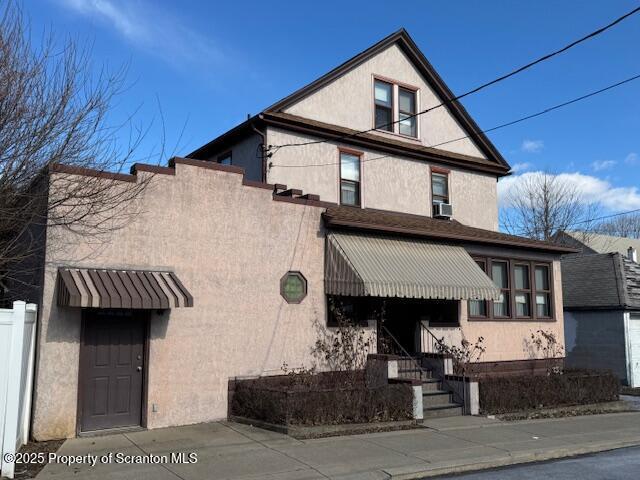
[16,378]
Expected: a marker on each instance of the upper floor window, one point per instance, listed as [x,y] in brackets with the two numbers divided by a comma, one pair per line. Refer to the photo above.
[407,112]
[224,159]
[349,178]
[439,187]
[395,107]
[383,98]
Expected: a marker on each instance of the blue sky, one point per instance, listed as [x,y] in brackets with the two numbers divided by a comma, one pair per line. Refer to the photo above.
[208,64]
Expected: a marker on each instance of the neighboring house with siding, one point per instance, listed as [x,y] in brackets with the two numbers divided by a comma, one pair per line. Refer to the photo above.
[590,242]
[240,247]
[602,304]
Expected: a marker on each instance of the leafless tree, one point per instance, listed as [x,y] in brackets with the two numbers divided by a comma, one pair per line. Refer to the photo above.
[53,110]
[542,205]
[621,226]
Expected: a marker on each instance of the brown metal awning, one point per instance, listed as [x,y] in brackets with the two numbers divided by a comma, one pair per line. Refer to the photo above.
[135,289]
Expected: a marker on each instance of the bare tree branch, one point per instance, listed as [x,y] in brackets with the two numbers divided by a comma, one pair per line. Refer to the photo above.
[542,205]
[53,110]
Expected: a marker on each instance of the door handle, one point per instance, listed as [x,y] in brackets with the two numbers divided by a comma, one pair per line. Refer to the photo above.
[139,368]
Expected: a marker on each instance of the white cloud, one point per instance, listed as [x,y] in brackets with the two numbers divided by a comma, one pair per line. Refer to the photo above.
[631,159]
[521,167]
[591,189]
[147,27]
[600,165]
[532,146]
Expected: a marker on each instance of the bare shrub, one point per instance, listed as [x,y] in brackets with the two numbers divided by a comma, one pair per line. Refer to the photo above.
[462,355]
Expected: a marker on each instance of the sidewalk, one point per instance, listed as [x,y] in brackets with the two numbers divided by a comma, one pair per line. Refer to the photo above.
[448,445]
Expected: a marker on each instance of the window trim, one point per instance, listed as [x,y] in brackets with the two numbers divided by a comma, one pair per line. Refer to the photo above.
[395,106]
[229,154]
[360,155]
[511,262]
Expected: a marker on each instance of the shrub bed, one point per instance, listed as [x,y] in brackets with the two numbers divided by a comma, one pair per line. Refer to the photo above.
[526,392]
[320,399]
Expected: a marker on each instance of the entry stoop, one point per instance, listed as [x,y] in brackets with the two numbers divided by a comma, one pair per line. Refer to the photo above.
[437,401]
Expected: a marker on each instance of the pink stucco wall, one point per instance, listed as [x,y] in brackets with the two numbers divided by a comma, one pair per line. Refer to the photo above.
[230,244]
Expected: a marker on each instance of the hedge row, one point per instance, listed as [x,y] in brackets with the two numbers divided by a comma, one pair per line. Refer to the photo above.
[278,401]
[527,392]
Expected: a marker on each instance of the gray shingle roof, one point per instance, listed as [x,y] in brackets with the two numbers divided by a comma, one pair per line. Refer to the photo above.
[598,243]
[600,281]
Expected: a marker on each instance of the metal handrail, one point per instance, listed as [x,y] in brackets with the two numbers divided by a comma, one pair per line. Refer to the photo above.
[407,354]
[440,342]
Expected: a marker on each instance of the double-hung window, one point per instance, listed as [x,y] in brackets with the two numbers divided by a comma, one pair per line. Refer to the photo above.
[526,291]
[522,286]
[395,108]
[478,308]
[407,112]
[349,178]
[500,276]
[383,99]
[543,291]
[439,187]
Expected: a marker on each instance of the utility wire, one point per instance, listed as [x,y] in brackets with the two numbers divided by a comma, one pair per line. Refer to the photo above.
[507,124]
[637,210]
[476,89]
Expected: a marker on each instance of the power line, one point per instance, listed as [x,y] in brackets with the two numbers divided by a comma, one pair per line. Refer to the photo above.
[507,124]
[476,89]
[637,210]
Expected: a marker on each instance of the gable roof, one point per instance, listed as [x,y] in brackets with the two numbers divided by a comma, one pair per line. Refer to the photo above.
[598,243]
[408,46]
[404,41]
[600,281]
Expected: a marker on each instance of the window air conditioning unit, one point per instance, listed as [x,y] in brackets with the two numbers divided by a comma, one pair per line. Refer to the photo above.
[442,210]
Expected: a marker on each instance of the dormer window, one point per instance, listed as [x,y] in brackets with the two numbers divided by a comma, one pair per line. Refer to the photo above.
[384,105]
[395,107]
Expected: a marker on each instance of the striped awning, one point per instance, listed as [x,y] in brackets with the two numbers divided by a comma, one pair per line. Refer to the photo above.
[384,266]
[135,289]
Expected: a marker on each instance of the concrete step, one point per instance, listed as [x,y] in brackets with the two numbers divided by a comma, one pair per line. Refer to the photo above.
[446,410]
[414,373]
[431,385]
[436,398]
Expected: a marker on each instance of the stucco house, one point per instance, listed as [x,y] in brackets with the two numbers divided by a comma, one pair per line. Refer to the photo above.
[601,288]
[229,268]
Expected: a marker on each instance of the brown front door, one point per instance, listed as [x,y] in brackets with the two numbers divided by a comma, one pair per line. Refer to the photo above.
[111,369]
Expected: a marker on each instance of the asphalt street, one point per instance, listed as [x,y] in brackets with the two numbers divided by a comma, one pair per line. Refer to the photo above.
[623,464]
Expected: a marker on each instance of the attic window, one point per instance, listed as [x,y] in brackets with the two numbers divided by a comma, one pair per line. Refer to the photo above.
[395,107]
[384,105]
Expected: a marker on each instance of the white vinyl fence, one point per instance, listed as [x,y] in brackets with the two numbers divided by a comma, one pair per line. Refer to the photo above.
[17,349]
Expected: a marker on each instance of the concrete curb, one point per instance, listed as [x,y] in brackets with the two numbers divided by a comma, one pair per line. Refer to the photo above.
[507,460]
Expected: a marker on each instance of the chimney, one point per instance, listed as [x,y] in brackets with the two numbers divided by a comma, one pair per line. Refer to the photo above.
[632,254]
